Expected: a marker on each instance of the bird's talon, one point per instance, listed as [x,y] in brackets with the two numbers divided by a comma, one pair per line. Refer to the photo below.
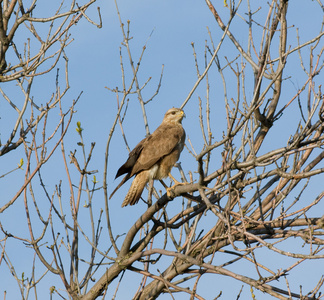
[170,190]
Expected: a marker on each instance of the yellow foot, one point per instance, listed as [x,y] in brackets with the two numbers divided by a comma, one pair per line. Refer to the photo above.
[170,190]
[176,182]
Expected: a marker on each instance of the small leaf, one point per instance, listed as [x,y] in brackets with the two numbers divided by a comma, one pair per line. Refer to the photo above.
[94,180]
[80,144]
[52,289]
[21,163]
[79,129]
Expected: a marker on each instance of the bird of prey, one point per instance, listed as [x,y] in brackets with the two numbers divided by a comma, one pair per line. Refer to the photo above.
[154,156]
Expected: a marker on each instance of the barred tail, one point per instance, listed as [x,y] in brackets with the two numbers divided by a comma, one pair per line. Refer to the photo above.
[136,189]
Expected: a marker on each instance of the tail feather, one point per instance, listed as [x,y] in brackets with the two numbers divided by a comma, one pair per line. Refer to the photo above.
[136,189]
[119,185]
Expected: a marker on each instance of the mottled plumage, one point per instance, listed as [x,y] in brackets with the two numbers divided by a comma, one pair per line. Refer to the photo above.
[154,156]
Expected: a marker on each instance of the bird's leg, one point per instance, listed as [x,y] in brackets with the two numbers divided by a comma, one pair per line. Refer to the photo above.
[150,192]
[176,182]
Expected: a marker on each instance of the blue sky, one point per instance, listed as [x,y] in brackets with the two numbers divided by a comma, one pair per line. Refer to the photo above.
[167,28]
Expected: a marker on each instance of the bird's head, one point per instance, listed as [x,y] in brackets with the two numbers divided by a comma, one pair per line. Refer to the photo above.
[174,115]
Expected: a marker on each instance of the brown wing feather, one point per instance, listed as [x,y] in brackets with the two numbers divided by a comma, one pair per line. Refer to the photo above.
[120,184]
[132,158]
[161,143]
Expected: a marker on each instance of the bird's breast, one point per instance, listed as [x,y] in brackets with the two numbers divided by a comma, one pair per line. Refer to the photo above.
[166,164]
[153,171]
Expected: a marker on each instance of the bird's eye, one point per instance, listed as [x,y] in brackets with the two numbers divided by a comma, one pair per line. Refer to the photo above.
[173,113]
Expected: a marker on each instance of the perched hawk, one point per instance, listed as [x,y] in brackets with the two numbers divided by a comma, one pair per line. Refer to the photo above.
[154,156]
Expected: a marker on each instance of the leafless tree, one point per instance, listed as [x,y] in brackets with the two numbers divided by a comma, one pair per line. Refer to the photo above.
[246,194]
